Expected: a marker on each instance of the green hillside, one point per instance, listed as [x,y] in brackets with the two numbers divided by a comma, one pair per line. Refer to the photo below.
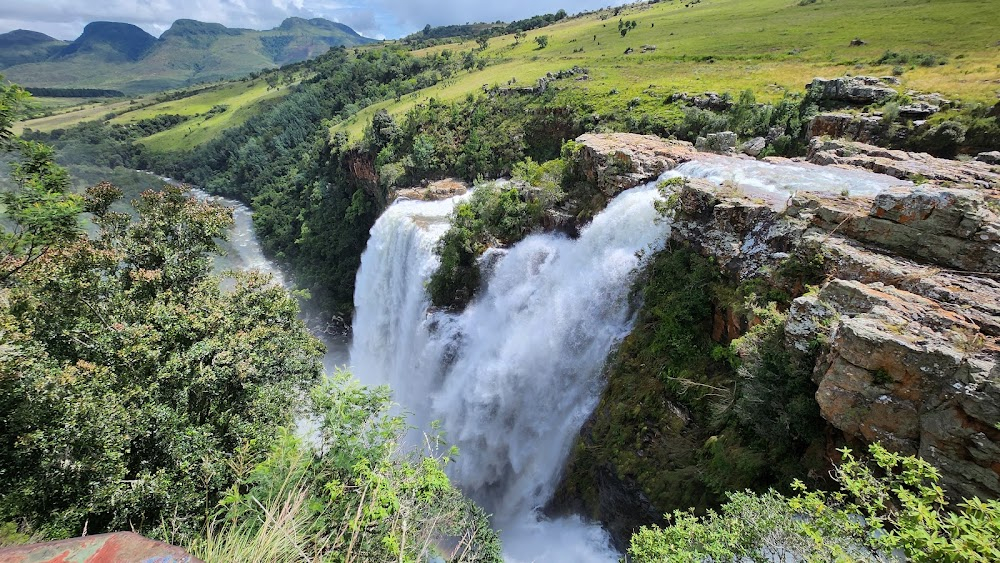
[123,57]
[770,46]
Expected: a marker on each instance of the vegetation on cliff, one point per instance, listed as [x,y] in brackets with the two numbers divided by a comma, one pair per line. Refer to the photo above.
[885,506]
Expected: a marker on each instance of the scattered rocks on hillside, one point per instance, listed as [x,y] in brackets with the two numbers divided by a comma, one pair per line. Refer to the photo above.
[857,90]
[709,100]
[856,42]
[435,191]
[721,143]
[900,164]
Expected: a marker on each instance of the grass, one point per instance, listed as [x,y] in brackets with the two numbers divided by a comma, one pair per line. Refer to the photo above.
[72,116]
[240,97]
[770,46]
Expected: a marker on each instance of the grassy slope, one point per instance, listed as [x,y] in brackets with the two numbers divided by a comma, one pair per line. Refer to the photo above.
[767,45]
[241,97]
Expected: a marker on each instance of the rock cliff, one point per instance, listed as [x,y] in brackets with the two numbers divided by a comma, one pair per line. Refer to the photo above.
[901,332]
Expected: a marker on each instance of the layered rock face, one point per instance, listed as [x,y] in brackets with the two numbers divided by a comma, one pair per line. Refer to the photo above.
[908,318]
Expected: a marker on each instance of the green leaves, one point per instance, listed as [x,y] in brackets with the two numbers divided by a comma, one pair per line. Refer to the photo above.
[130,376]
[891,502]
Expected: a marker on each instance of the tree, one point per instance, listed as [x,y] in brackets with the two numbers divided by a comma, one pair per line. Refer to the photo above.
[42,214]
[483,42]
[130,378]
[543,41]
[519,36]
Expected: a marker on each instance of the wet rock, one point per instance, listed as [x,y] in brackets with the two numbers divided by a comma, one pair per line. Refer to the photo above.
[435,191]
[616,162]
[900,164]
[856,90]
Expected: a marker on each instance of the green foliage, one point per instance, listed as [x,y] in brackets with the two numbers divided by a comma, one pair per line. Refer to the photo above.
[42,214]
[130,377]
[891,503]
[542,41]
[353,493]
[917,59]
[941,140]
[496,214]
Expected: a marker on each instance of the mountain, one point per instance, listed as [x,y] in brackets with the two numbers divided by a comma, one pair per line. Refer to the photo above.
[22,46]
[121,56]
[109,42]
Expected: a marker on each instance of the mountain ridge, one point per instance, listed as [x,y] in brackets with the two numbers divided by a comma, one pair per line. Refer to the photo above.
[122,56]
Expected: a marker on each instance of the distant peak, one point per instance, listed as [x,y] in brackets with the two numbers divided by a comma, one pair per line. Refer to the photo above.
[124,38]
[26,36]
[318,23]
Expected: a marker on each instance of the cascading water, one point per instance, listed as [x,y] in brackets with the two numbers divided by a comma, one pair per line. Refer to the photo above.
[785,178]
[514,376]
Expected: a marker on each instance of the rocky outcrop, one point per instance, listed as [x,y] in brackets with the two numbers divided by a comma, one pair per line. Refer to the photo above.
[864,128]
[435,191]
[902,335]
[616,162]
[901,164]
[856,90]
[709,100]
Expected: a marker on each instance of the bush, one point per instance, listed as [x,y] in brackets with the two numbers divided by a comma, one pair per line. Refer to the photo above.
[353,493]
[891,503]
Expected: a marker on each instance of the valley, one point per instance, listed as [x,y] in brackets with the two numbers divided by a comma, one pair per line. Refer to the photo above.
[665,281]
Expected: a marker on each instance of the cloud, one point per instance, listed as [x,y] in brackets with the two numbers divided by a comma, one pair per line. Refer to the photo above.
[65,19]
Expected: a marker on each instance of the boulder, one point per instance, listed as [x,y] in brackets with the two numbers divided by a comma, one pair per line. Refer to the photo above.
[754,146]
[918,110]
[865,128]
[992,157]
[616,162]
[856,90]
[722,143]
[435,191]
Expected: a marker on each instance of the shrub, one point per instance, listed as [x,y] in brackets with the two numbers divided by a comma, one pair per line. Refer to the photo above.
[892,502]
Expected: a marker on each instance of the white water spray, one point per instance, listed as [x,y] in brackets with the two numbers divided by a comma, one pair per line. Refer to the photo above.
[514,376]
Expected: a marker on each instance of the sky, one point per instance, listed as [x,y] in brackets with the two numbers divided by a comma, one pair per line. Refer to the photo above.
[381,19]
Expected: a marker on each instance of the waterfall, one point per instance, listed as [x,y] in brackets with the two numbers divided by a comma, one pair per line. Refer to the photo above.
[513,377]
